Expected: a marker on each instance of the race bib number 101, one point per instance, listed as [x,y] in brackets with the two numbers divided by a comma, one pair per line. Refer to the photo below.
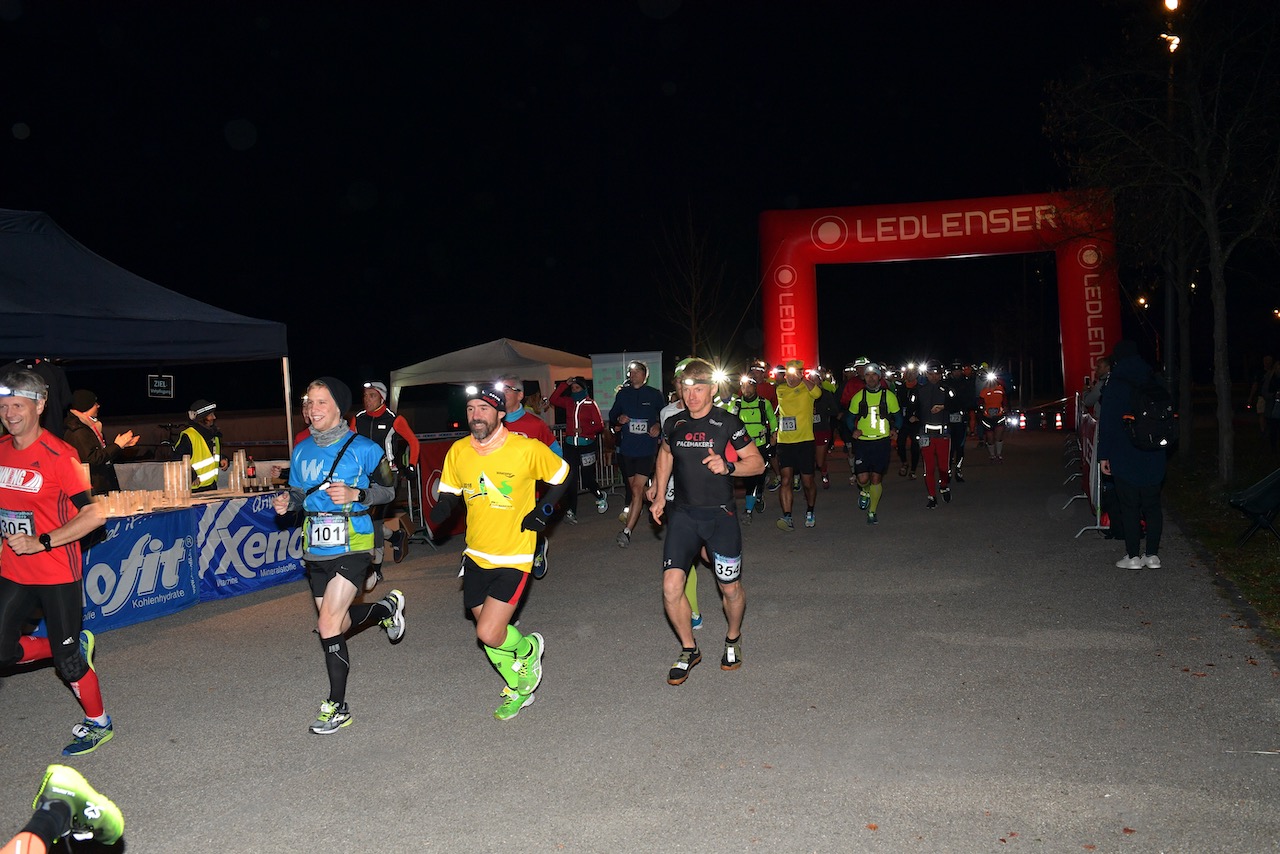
[327,530]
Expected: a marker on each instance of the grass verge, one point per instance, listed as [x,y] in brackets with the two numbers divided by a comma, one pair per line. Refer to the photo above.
[1199,505]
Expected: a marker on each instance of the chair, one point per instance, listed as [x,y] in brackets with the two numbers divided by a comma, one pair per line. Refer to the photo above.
[1261,503]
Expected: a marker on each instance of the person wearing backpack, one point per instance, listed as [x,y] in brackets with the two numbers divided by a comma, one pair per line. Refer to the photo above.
[1138,474]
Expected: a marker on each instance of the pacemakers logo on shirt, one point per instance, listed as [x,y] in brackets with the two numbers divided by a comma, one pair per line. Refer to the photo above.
[21,480]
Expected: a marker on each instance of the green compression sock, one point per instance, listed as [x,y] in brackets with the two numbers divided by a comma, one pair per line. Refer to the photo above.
[504,656]
[691,589]
[875,489]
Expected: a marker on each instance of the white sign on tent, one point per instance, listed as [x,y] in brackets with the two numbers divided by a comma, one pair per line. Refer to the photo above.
[609,370]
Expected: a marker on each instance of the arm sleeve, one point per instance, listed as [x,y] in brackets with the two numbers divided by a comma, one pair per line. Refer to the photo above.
[444,507]
[406,432]
[555,493]
[376,493]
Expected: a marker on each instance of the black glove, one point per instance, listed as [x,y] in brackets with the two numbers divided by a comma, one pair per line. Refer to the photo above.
[537,518]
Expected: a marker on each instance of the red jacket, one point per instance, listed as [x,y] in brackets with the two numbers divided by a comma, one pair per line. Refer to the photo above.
[582,417]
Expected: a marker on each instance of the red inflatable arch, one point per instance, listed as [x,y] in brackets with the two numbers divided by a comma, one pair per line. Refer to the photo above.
[1076,228]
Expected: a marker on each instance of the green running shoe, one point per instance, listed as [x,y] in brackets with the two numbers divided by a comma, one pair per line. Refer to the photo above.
[332,717]
[394,624]
[512,703]
[864,499]
[732,658]
[89,737]
[529,668]
[92,815]
[680,670]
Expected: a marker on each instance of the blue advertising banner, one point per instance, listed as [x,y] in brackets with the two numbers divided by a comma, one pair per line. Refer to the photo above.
[242,548]
[146,568]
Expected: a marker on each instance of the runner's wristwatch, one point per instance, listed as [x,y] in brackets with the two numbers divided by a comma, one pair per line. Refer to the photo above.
[47,542]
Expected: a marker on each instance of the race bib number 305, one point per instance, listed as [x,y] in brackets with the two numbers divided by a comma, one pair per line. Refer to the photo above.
[327,530]
[17,522]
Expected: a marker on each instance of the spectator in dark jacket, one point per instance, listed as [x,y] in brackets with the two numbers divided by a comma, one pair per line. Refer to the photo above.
[1138,474]
[83,432]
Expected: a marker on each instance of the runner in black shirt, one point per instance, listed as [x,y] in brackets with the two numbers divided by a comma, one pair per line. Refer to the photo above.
[703,447]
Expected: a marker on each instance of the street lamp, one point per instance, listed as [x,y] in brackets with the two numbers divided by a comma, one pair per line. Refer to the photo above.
[1173,42]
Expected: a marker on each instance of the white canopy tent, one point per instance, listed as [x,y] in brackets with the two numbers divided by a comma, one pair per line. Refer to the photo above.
[484,363]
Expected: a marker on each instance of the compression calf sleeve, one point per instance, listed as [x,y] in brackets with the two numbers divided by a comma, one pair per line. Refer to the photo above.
[875,490]
[362,612]
[504,657]
[34,649]
[338,664]
[89,693]
[691,588]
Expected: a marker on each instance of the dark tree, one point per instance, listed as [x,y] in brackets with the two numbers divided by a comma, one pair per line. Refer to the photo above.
[1187,142]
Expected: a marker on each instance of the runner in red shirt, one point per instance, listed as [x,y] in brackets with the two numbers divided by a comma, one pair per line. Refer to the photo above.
[46,507]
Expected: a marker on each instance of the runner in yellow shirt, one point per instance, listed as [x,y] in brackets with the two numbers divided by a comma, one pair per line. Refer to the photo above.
[796,397]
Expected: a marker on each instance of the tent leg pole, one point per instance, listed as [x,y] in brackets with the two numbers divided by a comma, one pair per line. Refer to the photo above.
[288,409]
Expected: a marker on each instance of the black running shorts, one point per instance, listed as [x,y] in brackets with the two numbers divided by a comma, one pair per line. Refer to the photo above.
[797,456]
[690,528]
[633,466]
[871,456]
[353,567]
[504,584]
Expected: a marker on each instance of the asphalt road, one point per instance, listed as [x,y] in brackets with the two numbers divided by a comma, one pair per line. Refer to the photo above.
[971,678]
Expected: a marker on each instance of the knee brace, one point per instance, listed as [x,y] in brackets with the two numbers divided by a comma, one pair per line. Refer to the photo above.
[71,666]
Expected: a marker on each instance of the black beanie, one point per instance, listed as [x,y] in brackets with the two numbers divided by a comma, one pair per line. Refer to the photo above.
[83,400]
[341,394]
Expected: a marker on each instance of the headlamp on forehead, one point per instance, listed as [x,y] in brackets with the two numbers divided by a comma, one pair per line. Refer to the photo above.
[719,376]
[692,381]
[5,391]
[747,379]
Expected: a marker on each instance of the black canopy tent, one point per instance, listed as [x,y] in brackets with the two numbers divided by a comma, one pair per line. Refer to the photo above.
[59,300]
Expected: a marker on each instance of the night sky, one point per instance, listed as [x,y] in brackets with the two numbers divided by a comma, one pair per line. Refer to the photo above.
[394,181]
